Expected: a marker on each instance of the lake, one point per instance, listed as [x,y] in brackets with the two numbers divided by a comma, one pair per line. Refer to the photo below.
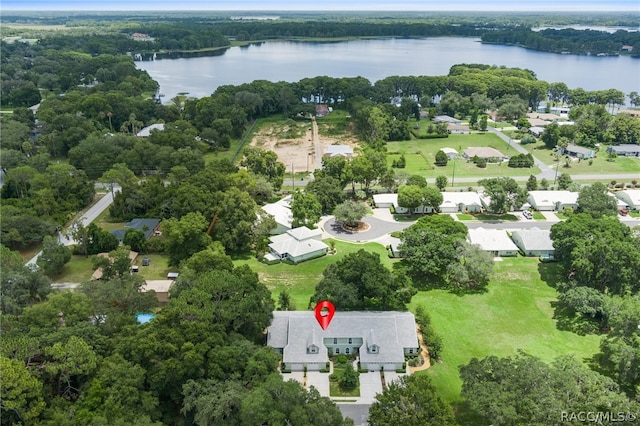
[380,58]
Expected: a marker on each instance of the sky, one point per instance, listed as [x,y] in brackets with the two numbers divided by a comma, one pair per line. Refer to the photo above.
[295,5]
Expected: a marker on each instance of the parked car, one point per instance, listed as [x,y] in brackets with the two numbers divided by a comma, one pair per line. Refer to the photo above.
[527,214]
[624,212]
[146,261]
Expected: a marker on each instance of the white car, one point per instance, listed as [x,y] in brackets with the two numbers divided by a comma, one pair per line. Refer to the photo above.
[527,214]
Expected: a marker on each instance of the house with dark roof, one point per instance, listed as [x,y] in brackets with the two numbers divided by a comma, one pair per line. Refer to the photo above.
[380,339]
[625,150]
[534,242]
[577,151]
[150,227]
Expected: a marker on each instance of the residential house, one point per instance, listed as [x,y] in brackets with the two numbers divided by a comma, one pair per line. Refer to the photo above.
[454,202]
[97,274]
[380,339]
[161,287]
[297,245]
[534,242]
[385,201]
[281,212]
[345,151]
[552,200]
[494,241]
[486,152]
[631,197]
[625,150]
[149,226]
[446,119]
[146,131]
[577,151]
[322,110]
[450,152]
[536,131]
[458,129]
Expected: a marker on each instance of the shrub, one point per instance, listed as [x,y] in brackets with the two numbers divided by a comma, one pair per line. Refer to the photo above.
[441,158]
[341,359]
[482,163]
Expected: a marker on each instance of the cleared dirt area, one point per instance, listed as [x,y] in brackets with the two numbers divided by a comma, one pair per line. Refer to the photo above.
[293,142]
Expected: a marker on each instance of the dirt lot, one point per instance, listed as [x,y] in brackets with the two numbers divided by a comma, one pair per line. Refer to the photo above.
[293,142]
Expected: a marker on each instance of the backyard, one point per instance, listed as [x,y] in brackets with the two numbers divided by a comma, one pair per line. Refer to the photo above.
[516,313]
[420,155]
[599,165]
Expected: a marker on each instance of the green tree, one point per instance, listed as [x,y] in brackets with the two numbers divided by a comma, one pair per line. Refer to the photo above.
[410,197]
[284,301]
[350,212]
[482,123]
[441,159]
[20,286]
[185,237]
[20,393]
[551,135]
[412,400]
[210,259]
[473,267]
[432,197]
[349,378]
[136,240]
[505,194]
[265,163]
[596,201]
[564,181]
[359,278]
[429,245]
[523,389]
[69,364]
[532,183]
[328,191]
[441,182]
[54,256]
[306,209]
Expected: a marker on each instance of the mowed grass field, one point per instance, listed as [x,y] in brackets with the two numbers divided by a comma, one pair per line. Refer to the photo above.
[516,313]
[300,280]
[420,155]
[599,165]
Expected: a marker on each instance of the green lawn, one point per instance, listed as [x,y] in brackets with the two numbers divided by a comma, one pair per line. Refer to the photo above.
[77,270]
[494,217]
[158,266]
[599,164]
[420,157]
[515,313]
[300,280]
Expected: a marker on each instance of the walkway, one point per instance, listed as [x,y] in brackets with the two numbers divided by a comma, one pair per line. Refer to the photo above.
[316,143]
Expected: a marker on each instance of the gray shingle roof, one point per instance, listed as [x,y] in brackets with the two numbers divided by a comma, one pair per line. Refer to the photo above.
[533,239]
[293,330]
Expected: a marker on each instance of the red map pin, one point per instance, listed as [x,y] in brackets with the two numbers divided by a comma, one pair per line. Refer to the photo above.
[324,313]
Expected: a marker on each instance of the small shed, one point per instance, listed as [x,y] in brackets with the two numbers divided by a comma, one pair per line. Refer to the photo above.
[161,287]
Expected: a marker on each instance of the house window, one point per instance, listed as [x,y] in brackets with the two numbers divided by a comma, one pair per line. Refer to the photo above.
[350,340]
[335,341]
[337,350]
[410,351]
[346,351]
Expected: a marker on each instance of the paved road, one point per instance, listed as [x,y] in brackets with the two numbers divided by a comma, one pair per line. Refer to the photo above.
[546,170]
[359,413]
[86,218]
[316,142]
[377,229]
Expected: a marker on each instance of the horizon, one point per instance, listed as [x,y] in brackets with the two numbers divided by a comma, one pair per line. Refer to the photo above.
[549,6]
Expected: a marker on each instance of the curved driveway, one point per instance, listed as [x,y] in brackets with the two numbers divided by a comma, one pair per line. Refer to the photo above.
[377,229]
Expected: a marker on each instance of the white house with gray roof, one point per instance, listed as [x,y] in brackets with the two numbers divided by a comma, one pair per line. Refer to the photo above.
[630,197]
[296,245]
[454,202]
[496,242]
[281,212]
[380,339]
[534,242]
[553,200]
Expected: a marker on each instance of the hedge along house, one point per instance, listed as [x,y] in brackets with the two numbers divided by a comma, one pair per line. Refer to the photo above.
[381,340]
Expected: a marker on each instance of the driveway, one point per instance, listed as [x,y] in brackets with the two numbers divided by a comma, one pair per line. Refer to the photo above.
[377,228]
[318,380]
[370,386]
[390,376]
